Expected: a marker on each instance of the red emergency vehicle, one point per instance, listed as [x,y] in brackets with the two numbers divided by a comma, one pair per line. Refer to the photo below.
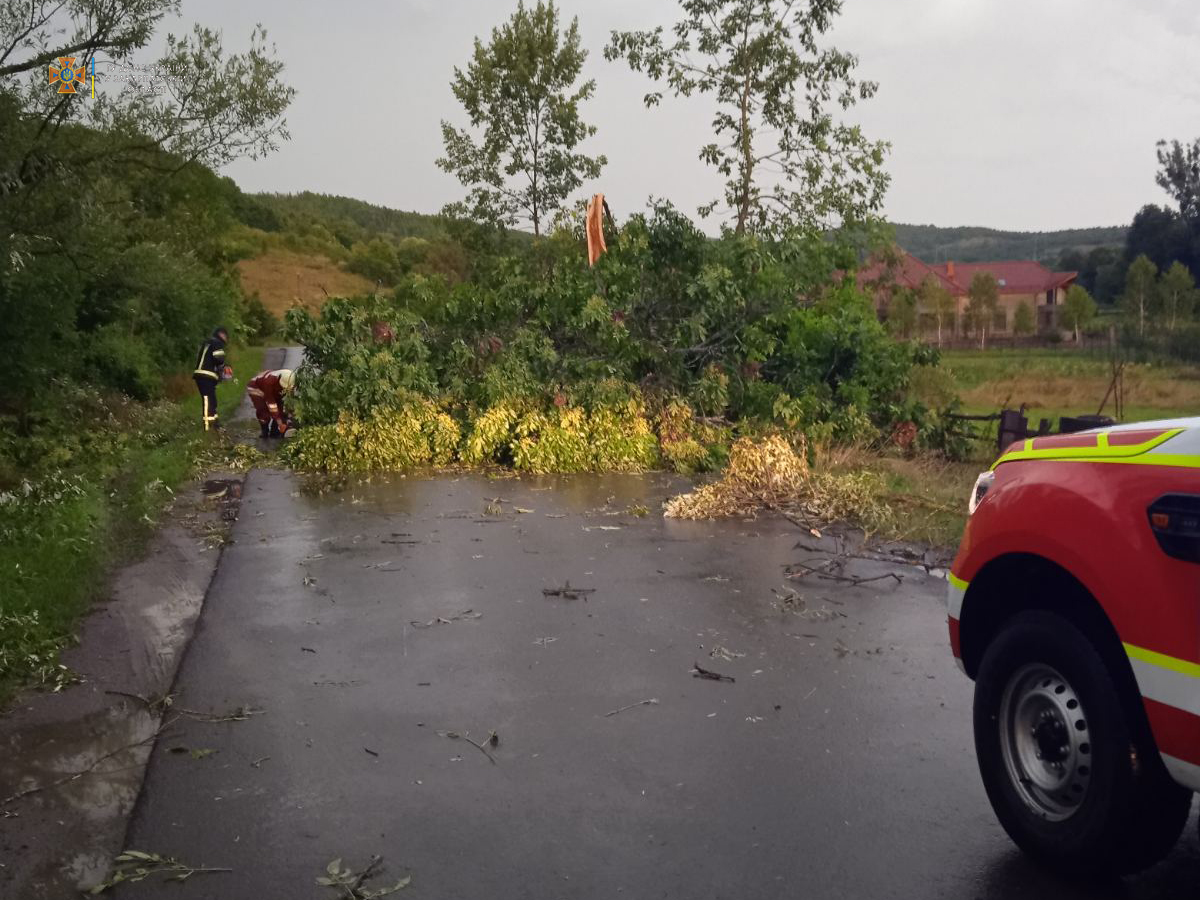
[1074,604]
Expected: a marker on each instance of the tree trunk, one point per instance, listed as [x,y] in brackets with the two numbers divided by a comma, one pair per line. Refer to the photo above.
[747,148]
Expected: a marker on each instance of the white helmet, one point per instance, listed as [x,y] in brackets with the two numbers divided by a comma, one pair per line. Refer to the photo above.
[287,380]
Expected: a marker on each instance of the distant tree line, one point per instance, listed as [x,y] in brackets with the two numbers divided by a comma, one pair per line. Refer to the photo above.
[935,244]
[1162,239]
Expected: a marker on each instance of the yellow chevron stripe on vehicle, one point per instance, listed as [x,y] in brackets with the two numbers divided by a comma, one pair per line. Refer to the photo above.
[1127,453]
[956,581]
[1162,661]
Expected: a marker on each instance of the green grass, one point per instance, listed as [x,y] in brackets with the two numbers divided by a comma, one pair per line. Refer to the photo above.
[1054,383]
[60,543]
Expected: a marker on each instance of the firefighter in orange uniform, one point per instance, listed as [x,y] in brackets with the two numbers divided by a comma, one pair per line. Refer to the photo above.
[266,391]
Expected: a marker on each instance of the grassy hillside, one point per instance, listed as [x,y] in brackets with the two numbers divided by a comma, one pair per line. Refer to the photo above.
[935,245]
[283,278]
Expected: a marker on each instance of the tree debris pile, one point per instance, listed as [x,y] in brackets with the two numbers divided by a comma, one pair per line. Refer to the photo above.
[773,473]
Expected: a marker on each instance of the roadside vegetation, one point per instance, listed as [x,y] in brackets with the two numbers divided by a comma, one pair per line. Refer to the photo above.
[114,265]
[85,500]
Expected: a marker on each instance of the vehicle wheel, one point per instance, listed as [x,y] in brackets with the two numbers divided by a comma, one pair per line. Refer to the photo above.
[1070,771]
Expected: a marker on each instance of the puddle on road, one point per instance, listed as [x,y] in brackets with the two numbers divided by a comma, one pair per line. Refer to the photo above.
[56,751]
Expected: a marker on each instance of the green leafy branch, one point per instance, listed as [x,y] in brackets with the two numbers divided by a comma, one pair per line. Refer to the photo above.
[136,865]
[352,885]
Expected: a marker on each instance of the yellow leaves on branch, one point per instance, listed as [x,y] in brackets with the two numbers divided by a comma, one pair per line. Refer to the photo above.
[420,434]
[773,473]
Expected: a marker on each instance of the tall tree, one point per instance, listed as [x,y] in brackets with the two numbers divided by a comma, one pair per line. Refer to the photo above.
[786,161]
[1179,176]
[519,91]
[1024,320]
[985,295]
[1079,309]
[202,105]
[938,301]
[902,313]
[1140,292]
[1177,294]
[1160,233]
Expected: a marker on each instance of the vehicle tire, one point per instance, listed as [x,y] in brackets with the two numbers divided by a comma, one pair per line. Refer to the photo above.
[1070,770]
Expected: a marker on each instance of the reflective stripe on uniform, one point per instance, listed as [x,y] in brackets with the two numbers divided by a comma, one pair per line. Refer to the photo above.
[206,374]
[220,353]
[255,392]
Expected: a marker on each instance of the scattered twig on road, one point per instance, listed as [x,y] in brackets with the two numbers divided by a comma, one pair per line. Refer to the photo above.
[567,592]
[492,740]
[258,762]
[446,620]
[158,705]
[239,714]
[699,672]
[826,575]
[89,769]
[653,701]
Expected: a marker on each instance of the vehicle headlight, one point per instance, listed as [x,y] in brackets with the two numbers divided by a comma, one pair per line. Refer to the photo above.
[983,484]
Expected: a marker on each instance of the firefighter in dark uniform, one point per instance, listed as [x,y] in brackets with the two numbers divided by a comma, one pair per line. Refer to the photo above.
[210,369]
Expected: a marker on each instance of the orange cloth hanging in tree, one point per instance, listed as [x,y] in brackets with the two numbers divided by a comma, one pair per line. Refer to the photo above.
[594,224]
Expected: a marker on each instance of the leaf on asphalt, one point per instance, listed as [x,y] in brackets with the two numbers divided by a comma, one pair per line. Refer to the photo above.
[719,652]
[523,510]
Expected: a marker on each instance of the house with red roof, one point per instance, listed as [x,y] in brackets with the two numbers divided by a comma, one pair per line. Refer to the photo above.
[1019,282]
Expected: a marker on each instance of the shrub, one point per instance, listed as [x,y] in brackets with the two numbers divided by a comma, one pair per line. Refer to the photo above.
[260,323]
[120,361]
[418,434]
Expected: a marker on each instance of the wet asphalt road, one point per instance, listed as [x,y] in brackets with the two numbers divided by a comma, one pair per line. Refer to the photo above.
[839,764]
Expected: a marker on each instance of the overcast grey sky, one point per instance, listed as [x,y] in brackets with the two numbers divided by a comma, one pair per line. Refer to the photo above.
[1023,114]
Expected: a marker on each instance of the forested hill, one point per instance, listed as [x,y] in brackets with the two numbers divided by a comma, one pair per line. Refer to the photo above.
[971,244]
[928,242]
[362,218]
